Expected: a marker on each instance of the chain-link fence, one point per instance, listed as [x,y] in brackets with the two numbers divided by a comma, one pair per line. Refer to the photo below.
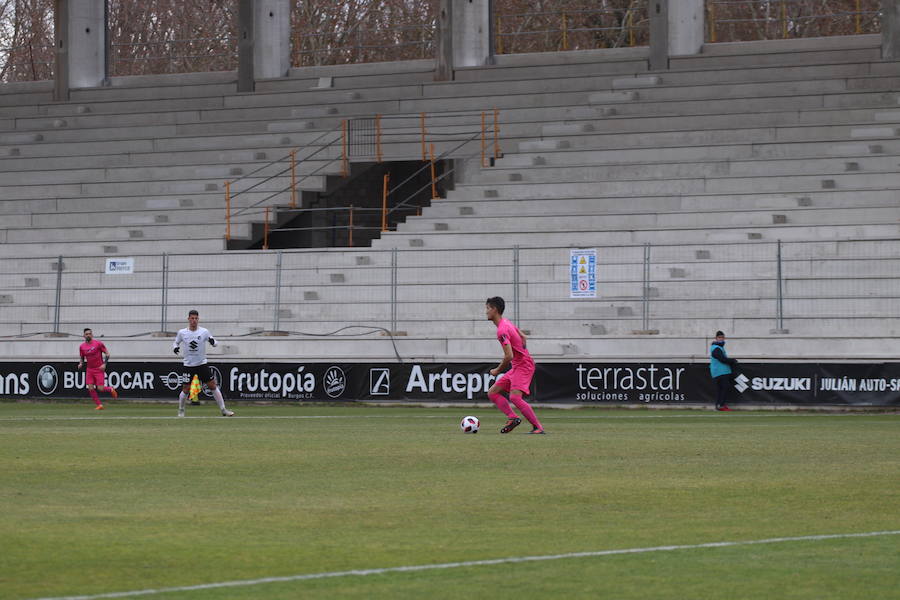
[835,287]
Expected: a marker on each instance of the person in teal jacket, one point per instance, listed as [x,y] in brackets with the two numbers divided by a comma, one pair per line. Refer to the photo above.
[721,368]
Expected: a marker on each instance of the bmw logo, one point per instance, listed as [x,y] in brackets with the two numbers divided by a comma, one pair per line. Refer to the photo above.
[47,379]
[335,382]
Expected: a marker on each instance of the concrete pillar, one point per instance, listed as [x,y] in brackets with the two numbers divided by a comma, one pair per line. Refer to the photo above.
[890,30]
[471,24]
[686,27]
[271,38]
[80,35]
[463,36]
[246,45]
[677,28]
[443,59]
[659,35]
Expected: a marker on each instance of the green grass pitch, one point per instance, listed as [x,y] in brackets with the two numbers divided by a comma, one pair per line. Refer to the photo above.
[135,499]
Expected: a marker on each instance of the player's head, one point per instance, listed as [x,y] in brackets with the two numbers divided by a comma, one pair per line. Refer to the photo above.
[494,307]
[720,336]
[193,319]
[88,334]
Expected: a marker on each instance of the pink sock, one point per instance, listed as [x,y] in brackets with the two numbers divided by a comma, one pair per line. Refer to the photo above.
[502,404]
[94,395]
[526,410]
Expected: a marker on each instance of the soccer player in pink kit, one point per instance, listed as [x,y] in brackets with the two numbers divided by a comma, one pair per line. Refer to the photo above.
[92,352]
[517,381]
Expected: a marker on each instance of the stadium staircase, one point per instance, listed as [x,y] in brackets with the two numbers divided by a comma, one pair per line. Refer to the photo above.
[703,169]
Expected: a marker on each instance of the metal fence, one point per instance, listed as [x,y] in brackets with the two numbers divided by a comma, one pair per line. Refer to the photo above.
[751,20]
[755,288]
[142,42]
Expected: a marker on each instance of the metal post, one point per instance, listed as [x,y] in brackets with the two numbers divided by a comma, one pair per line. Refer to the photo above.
[59,270]
[483,139]
[497,152]
[345,159]
[378,150]
[424,135]
[393,290]
[518,314]
[350,228]
[779,307]
[434,193]
[384,200]
[276,322]
[165,291]
[293,179]
[645,308]
[265,245]
[227,210]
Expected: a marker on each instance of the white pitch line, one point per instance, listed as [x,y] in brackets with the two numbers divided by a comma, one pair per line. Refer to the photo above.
[472,563]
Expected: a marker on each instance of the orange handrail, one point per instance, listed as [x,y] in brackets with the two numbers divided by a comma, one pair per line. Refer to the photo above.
[384,197]
[228,210]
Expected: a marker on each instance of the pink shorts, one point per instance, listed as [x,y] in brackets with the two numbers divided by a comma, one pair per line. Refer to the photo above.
[95,377]
[516,379]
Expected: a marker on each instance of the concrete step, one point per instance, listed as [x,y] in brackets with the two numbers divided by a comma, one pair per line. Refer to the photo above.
[585,238]
[799,150]
[115,248]
[801,184]
[603,222]
[583,170]
[119,233]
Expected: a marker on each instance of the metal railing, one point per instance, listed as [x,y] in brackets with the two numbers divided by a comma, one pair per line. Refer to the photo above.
[749,20]
[573,29]
[754,288]
[364,139]
[514,32]
[156,57]
[360,45]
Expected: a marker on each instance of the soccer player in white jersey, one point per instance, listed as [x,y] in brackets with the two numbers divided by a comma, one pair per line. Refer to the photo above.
[194,339]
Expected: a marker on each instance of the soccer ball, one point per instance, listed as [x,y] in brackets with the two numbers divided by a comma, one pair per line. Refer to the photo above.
[469,424]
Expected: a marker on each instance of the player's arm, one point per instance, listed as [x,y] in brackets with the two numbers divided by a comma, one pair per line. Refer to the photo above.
[212,341]
[507,358]
[104,354]
[80,359]
[176,347]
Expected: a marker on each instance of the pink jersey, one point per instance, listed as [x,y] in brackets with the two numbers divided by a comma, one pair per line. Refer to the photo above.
[91,353]
[508,334]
